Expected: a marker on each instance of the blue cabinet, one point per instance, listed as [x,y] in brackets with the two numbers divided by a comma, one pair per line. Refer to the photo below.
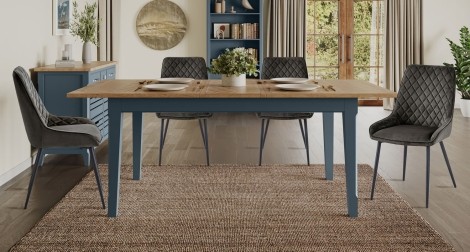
[54,84]
[244,28]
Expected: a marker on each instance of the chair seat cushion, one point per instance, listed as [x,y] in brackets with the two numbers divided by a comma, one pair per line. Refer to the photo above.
[183,115]
[405,135]
[78,135]
[284,116]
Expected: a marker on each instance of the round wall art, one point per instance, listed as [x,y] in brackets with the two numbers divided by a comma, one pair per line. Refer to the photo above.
[161,24]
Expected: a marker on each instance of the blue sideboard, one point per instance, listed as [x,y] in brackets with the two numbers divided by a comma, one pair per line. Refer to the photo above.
[55,82]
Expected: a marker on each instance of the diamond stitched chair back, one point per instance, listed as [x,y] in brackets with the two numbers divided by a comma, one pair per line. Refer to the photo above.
[184,67]
[288,67]
[422,115]
[45,130]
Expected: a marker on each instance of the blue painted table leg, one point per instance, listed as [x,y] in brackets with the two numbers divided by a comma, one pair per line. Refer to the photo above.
[328,124]
[137,144]
[349,129]
[86,157]
[114,145]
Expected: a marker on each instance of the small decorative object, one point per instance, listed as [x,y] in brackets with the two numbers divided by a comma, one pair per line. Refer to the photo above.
[61,11]
[218,6]
[84,26]
[462,69]
[234,65]
[221,31]
[161,24]
[233,9]
[223,6]
[247,5]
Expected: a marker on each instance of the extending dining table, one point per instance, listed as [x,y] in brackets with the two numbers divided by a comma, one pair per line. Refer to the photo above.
[332,96]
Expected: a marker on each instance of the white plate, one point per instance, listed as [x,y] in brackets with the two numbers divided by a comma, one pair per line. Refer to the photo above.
[290,80]
[175,80]
[297,87]
[165,87]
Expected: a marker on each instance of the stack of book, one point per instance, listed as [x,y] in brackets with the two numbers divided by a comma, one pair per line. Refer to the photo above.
[66,63]
[244,31]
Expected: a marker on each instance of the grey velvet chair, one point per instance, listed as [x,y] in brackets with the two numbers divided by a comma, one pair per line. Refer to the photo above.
[46,130]
[184,67]
[422,115]
[288,67]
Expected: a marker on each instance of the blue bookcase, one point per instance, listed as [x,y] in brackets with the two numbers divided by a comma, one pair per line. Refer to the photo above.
[245,29]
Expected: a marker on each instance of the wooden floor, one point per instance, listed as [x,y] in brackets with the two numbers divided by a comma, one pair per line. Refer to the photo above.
[234,138]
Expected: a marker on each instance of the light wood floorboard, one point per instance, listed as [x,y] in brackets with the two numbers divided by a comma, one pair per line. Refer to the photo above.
[234,138]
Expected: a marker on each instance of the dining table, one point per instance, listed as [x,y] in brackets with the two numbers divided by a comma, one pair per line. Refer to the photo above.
[328,97]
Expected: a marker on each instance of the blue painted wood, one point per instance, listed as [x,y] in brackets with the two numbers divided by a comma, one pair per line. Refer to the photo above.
[349,132]
[114,146]
[242,15]
[53,88]
[58,151]
[347,106]
[328,134]
[137,144]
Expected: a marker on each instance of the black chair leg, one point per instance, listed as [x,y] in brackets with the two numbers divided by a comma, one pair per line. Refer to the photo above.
[33,176]
[205,137]
[304,130]
[405,151]
[94,165]
[264,132]
[448,163]
[376,168]
[163,131]
[428,172]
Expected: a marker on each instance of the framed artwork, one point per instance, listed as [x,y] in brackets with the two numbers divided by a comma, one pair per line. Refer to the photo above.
[62,16]
[221,30]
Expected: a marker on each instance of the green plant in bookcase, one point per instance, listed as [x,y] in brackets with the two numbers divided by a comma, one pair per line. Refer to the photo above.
[461,55]
[233,65]
[85,26]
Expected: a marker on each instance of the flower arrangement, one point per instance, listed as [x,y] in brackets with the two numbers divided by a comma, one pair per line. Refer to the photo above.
[85,23]
[234,63]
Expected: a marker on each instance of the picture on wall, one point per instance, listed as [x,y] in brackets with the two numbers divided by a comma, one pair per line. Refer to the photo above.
[161,24]
[62,14]
[221,30]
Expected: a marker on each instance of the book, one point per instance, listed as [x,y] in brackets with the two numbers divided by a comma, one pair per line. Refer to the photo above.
[66,63]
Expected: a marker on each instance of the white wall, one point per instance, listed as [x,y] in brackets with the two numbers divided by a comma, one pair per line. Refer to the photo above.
[441,20]
[135,59]
[26,41]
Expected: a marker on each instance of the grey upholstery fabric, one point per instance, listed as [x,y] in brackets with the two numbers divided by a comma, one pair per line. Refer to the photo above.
[45,130]
[425,99]
[279,67]
[184,67]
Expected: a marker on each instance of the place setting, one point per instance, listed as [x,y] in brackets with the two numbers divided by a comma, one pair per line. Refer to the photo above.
[165,84]
[295,84]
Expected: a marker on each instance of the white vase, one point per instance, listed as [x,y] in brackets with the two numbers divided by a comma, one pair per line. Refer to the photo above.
[465,107]
[234,80]
[86,52]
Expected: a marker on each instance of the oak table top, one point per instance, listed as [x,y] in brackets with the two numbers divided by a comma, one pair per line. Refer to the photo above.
[212,89]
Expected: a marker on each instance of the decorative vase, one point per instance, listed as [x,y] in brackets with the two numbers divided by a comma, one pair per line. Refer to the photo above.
[234,80]
[465,107]
[86,52]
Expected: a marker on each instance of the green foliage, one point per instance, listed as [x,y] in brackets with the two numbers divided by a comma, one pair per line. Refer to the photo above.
[234,62]
[461,55]
[85,23]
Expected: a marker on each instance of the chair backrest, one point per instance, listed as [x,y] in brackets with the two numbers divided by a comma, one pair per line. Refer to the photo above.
[184,67]
[289,67]
[34,113]
[426,96]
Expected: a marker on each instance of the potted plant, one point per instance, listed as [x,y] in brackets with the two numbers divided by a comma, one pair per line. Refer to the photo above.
[234,64]
[85,26]
[461,55]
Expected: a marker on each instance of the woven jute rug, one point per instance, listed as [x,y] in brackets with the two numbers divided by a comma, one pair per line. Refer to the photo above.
[233,208]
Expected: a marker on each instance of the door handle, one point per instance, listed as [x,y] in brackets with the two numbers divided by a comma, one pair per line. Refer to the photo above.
[351,49]
[343,49]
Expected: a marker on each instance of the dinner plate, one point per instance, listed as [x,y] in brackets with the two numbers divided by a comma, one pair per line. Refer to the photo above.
[175,80]
[165,87]
[297,87]
[290,80]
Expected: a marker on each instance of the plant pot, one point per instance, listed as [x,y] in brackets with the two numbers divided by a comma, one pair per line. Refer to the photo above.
[234,80]
[465,107]
[86,52]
